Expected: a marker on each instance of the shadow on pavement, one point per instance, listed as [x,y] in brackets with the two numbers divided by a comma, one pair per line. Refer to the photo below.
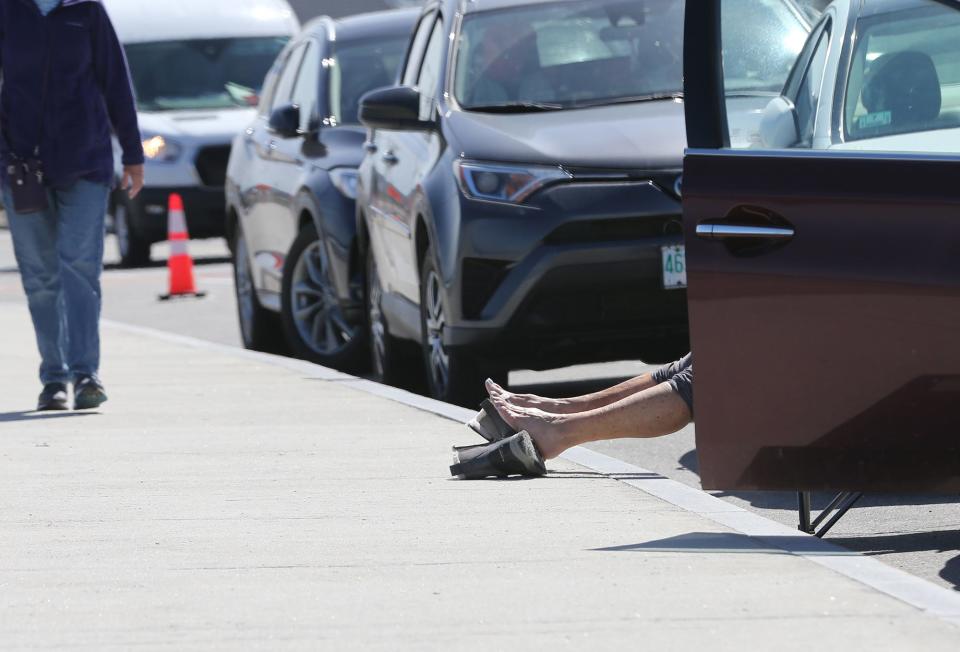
[154,264]
[788,500]
[727,542]
[578,475]
[33,415]
[938,540]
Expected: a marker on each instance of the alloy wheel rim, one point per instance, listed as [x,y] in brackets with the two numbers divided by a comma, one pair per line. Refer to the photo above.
[316,309]
[438,358]
[378,329]
[244,285]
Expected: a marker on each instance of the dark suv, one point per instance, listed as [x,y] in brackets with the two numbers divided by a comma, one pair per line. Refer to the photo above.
[291,184]
[519,203]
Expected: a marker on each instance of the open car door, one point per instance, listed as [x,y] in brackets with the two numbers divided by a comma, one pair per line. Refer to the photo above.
[822,223]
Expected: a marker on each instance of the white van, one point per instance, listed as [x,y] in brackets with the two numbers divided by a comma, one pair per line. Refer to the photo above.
[197,68]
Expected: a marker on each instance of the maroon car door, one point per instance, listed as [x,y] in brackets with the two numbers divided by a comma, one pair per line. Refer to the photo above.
[822,225]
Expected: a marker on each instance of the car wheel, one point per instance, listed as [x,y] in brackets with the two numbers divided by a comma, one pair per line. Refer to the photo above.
[320,326]
[454,375]
[392,361]
[259,328]
[134,250]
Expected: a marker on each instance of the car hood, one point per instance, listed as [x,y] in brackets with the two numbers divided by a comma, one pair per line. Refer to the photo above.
[221,124]
[637,136]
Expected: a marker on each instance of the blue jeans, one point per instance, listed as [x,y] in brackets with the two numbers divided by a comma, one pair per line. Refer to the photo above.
[60,256]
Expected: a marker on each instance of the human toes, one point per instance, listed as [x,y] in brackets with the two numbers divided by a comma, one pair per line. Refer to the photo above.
[509,413]
[493,389]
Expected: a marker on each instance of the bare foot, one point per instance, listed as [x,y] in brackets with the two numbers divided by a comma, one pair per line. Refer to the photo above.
[551,405]
[546,429]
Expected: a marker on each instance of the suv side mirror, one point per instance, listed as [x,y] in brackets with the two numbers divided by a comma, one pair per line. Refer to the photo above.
[778,124]
[285,121]
[394,108]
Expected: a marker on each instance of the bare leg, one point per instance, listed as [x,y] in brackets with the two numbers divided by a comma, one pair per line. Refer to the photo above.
[652,412]
[576,404]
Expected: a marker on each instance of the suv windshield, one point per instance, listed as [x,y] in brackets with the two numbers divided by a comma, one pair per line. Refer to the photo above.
[905,75]
[761,41]
[570,55]
[201,74]
[359,68]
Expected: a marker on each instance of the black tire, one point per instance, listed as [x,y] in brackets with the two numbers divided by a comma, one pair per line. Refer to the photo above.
[134,248]
[454,375]
[260,329]
[319,325]
[392,360]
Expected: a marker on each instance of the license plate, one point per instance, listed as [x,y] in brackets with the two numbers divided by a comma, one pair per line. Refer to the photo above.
[674,265]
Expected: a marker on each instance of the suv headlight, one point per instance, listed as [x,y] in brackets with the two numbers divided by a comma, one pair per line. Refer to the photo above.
[161,149]
[345,180]
[506,184]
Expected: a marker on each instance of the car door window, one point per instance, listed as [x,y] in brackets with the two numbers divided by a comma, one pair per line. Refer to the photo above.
[905,79]
[415,56]
[287,79]
[893,87]
[307,87]
[428,81]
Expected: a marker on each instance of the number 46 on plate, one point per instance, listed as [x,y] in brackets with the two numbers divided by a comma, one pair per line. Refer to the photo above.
[674,264]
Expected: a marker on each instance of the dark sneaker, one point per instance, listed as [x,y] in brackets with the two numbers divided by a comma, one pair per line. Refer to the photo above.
[88,393]
[515,455]
[53,397]
[489,424]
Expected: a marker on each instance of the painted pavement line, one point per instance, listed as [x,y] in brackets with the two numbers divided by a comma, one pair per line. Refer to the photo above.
[917,592]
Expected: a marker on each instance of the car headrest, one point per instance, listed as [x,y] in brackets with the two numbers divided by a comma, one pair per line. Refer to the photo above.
[906,84]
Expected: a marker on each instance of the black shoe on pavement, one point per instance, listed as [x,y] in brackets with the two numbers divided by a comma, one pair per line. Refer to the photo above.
[516,455]
[53,397]
[489,424]
[88,393]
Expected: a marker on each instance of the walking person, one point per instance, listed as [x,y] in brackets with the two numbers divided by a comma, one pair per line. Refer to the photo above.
[66,87]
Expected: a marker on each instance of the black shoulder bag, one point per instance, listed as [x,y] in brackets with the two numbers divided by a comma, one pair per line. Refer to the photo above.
[26,174]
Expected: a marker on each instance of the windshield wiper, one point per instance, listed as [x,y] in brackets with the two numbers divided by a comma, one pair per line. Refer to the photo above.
[516,107]
[632,99]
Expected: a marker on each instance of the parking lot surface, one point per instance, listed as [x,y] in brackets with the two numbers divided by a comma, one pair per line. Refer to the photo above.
[916,533]
[225,501]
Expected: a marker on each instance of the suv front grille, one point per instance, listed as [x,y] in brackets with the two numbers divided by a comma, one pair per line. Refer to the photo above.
[212,165]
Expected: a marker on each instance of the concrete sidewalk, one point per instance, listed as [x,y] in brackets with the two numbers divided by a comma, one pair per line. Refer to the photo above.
[219,501]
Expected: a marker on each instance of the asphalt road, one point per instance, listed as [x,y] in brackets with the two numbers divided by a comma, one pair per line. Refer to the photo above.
[919,534]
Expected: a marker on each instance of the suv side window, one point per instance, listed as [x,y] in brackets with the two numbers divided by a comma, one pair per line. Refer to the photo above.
[284,87]
[428,81]
[415,56]
[307,87]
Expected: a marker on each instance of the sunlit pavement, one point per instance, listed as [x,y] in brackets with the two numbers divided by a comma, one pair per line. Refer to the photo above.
[920,534]
[228,501]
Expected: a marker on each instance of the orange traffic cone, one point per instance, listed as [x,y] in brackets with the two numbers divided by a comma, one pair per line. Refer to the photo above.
[179,264]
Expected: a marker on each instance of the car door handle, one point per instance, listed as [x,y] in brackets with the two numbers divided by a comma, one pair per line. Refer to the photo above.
[370,147]
[390,158]
[715,231]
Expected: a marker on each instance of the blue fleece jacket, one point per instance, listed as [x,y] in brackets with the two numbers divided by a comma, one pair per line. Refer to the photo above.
[88,91]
